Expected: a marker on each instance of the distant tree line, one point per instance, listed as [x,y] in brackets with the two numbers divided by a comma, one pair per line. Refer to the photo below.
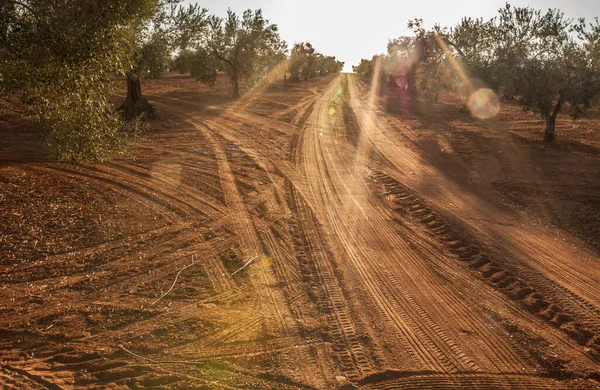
[305,61]
[59,57]
[544,61]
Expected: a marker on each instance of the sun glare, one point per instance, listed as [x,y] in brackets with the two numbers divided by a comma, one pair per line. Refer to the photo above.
[484,103]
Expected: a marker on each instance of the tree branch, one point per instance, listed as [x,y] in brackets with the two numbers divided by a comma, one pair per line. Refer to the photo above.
[450,43]
[222,58]
[24,5]
[175,281]
[558,107]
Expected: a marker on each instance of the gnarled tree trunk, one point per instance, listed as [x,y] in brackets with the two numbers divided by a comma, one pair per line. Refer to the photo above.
[135,105]
[235,83]
[549,135]
[550,127]
[134,89]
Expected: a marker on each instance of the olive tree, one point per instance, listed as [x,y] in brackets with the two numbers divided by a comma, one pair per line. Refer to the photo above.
[474,45]
[303,60]
[58,56]
[247,46]
[419,64]
[169,28]
[366,68]
[400,60]
[182,62]
[537,59]
[297,60]
[332,65]
[327,64]
[310,54]
[306,60]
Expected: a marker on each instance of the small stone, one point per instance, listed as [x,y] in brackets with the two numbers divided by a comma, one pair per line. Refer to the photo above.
[342,380]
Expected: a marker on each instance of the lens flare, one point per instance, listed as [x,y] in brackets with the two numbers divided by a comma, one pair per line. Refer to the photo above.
[484,103]
[266,262]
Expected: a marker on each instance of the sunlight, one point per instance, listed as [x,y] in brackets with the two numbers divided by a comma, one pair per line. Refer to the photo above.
[374,92]
[367,140]
[275,74]
[482,103]
[460,72]
[369,118]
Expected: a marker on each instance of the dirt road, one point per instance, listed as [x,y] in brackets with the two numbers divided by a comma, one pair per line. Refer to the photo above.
[293,239]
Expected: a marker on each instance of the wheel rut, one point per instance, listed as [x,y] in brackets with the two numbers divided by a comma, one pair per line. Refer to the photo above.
[520,284]
[316,266]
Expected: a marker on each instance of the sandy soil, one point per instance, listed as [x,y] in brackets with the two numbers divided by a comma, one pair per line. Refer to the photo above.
[312,237]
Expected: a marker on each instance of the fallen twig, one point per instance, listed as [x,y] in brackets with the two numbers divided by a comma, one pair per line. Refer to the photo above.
[245,265]
[160,361]
[175,281]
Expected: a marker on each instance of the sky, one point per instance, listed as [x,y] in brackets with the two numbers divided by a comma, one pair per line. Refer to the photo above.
[351,30]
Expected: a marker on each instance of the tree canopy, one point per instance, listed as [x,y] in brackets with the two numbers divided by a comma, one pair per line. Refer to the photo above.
[243,46]
[548,63]
[58,56]
[305,60]
[171,27]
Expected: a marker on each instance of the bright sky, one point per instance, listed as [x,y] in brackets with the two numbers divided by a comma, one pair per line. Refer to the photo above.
[351,30]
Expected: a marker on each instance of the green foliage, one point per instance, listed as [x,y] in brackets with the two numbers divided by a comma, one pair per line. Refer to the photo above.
[305,60]
[59,57]
[522,53]
[310,54]
[534,56]
[366,68]
[183,62]
[82,122]
[155,57]
[248,46]
[170,28]
[330,64]
[298,61]
[187,27]
[205,66]
[429,80]
[417,64]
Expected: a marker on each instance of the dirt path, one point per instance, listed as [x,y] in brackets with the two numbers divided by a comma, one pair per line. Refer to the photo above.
[319,249]
[553,273]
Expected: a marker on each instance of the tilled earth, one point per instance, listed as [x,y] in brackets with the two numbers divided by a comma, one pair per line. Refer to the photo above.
[310,237]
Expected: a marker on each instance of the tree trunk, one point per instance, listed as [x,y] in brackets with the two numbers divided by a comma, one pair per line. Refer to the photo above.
[235,83]
[135,105]
[134,89]
[551,122]
[550,127]
[6,12]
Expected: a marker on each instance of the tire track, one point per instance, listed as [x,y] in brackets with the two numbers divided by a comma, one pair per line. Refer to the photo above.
[316,267]
[250,242]
[479,381]
[174,210]
[218,275]
[518,283]
[341,209]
